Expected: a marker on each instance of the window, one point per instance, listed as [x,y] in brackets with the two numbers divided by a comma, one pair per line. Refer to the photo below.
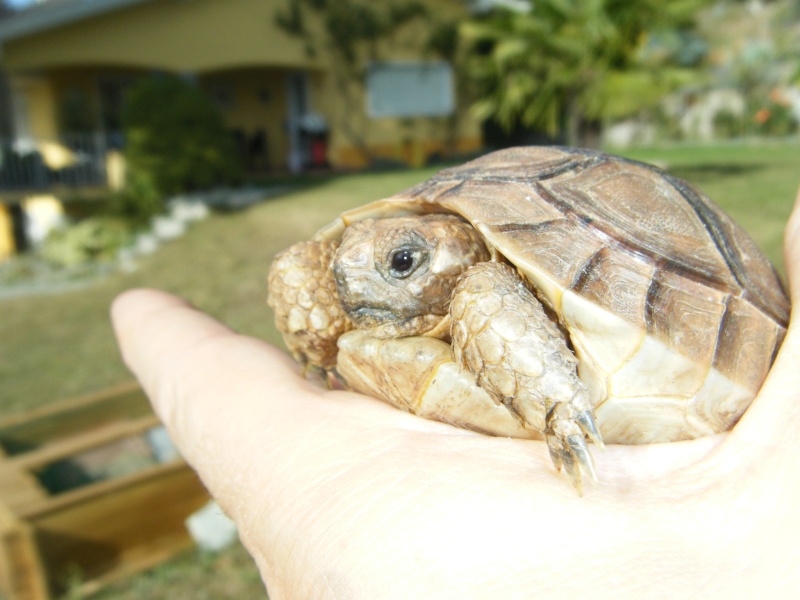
[410,89]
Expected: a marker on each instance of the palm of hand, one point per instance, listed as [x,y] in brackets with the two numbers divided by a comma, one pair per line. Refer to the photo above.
[337,495]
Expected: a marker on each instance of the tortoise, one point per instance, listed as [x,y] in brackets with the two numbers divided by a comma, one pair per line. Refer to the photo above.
[547,293]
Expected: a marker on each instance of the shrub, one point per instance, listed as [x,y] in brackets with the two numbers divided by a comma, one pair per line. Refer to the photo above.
[774,118]
[728,124]
[93,240]
[139,201]
[176,141]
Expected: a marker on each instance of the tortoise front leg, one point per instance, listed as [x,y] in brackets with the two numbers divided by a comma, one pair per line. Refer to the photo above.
[308,314]
[418,375]
[503,336]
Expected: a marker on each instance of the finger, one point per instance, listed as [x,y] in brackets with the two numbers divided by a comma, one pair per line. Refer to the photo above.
[236,407]
[154,331]
[175,350]
[791,250]
[208,384]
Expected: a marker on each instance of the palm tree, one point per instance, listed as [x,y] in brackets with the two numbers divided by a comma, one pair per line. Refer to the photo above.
[563,64]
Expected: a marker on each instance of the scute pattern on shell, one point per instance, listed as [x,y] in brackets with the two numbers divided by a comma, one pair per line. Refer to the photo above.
[657,288]
[580,220]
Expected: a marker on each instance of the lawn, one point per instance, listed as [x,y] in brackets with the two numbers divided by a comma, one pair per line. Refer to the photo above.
[57,346]
[60,345]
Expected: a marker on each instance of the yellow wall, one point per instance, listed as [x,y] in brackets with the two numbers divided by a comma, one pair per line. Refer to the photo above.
[235,45]
[191,35]
[6,233]
[253,100]
[39,100]
[87,81]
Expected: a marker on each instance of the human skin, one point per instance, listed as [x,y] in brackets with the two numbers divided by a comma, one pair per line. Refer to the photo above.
[337,495]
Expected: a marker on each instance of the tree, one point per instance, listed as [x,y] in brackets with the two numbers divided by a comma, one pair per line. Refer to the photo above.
[176,141]
[564,64]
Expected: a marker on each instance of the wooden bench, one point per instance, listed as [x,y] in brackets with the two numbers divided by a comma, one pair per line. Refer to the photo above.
[58,531]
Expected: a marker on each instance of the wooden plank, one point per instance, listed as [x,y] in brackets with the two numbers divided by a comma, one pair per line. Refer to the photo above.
[107,487]
[136,563]
[107,529]
[68,405]
[22,576]
[112,526]
[19,488]
[80,443]
[64,419]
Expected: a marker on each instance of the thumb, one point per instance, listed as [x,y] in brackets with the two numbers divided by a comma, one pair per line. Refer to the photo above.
[791,250]
[770,424]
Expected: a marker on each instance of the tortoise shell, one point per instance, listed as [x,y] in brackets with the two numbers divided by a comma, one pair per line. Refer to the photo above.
[673,311]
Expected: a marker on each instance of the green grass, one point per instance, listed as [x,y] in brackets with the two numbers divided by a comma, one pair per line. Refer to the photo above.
[195,575]
[61,345]
[57,346]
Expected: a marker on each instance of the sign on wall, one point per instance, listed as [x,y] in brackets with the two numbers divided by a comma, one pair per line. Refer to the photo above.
[400,89]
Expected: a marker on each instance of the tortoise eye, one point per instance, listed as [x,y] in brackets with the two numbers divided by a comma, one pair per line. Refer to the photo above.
[404,262]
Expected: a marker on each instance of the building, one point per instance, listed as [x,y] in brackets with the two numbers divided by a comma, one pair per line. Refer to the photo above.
[290,105]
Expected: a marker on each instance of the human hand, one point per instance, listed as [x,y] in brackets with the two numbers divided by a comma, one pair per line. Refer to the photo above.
[337,495]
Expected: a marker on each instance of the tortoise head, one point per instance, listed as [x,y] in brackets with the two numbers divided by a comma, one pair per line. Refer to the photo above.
[395,276]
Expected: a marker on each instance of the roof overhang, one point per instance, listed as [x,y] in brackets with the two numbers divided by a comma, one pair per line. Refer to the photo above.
[56,13]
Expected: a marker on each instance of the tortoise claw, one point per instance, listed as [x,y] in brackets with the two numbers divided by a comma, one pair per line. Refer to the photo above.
[315,373]
[573,471]
[588,425]
[555,456]
[580,451]
[571,451]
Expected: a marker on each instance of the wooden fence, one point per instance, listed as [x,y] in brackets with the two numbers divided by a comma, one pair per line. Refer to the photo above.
[86,497]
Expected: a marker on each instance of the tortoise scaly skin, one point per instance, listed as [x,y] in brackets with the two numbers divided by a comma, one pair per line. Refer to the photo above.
[550,293]
[306,305]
